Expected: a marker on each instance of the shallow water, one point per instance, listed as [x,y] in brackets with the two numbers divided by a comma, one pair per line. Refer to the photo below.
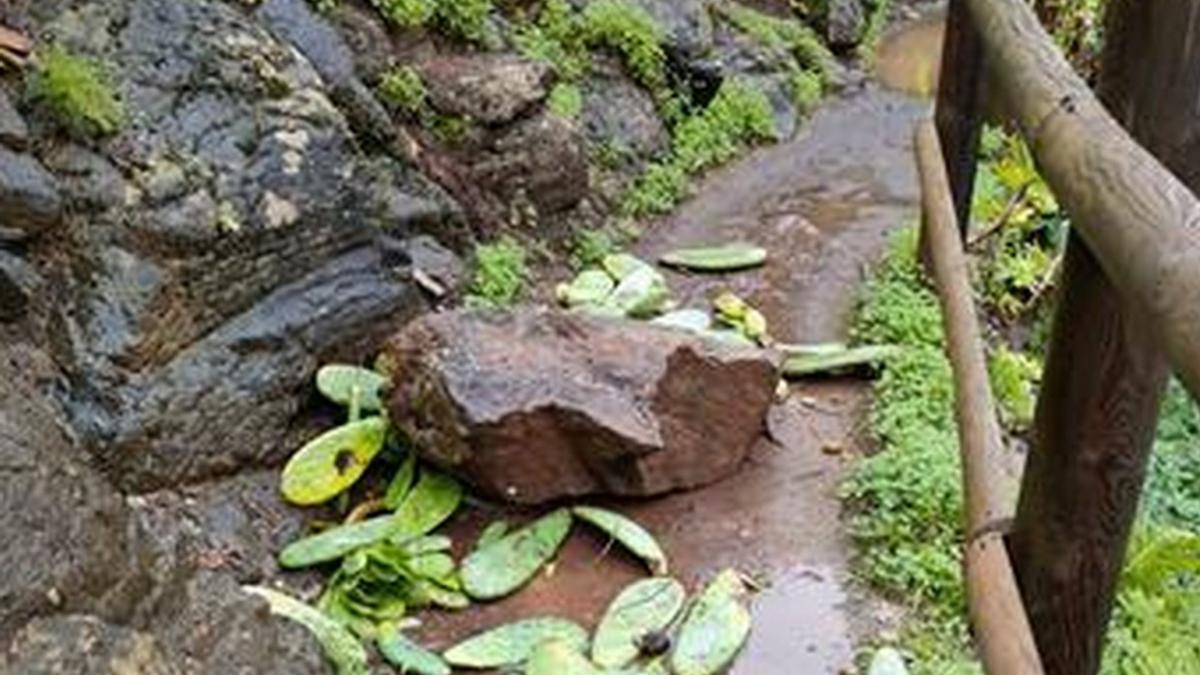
[910,55]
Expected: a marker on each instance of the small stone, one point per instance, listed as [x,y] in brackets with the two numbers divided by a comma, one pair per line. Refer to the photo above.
[29,196]
[488,89]
[833,449]
[54,597]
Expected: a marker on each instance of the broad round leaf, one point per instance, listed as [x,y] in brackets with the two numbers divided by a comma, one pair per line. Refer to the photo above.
[514,643]
[508,564]
[333,461]
[647,606]
[627,533]
[724,258]
[555,657]
[338,383]
[715,629]
[590,287]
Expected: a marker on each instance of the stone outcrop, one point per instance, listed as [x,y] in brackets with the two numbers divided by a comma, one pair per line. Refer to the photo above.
[536,405]
[488,89]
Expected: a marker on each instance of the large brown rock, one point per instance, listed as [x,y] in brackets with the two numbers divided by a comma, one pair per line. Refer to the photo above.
[489,89]
[535,405]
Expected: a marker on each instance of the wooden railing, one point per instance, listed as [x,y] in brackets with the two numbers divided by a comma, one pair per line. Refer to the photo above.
[1041,577]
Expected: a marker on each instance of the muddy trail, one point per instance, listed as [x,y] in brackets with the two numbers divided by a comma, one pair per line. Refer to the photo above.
[824,205]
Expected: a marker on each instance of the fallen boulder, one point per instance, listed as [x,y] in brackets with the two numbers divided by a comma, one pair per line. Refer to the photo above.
[536,405]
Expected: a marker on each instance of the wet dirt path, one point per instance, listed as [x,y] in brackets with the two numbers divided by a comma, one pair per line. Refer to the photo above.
[824,205]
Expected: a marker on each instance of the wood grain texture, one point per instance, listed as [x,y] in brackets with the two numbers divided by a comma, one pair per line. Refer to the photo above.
[1003,633]
[1124,298]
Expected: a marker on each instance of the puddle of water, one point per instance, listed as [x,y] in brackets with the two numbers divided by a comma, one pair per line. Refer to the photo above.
[800,626]
[910,56]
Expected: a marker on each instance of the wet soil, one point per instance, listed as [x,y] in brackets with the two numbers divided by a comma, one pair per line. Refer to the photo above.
[823,205]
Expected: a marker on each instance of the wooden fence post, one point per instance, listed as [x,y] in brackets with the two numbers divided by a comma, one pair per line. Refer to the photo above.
[958,112]
[1105,377]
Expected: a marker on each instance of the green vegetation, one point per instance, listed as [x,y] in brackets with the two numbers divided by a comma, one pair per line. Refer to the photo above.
[557,38]
[464,19]
[566,101]
[402,87]
[78,93]
[788,36]
[877,21]
[1013,377]
[590,247]
[632,33]
[500,273]
[806,90]
[738,116]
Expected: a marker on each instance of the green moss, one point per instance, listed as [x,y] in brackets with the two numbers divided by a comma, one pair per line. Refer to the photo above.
[463,19]
[78,93]
[877,21]
[556,39]
[632,33]
[403,88]
[784,35]
[806,90]
[566,101]
[1014,377]
[737,117]
[500,272]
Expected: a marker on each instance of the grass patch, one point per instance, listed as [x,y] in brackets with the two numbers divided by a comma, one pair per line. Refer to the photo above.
[463,19]
[589,248]
[557,39]
[633,34]
[499,275]
[784,35]
[738,116]
[78,92]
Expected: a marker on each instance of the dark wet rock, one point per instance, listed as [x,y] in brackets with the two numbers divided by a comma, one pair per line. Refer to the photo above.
[18,283]
[429,257]
[29,198]
[85,645]
[88,180]
[785,115]
[535,405]
[489,89]
[13,131]
[367,38]
[617,112]
[845,22]
[66,532]
[245,250]
[207,625]
[541,160]
[294,21]
[688,27]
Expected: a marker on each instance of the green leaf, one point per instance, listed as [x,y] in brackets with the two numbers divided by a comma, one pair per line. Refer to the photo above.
[491,534]
[513,643]
[333,461]
[401,483]
[813,364]
[432,501]
[590,287]
[555,657]
[340,646]
[647,606]
[435,498]
[724,258]
[730,308]
[428,544]
[628,533]
[338,383]
[715,629]
[503,567]
[621,265]
[643,293]
[407,655]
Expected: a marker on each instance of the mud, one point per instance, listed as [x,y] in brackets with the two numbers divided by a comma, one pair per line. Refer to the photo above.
[824,206]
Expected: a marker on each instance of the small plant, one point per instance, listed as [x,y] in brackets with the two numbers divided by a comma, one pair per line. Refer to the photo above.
[407,13]
[464,19]
[738,116]
[556,39]
[500,274]
[1014,377]
[566,101]
[784,35]
[590,247]
[78,92]
[403,88]
[631,32]
[805,89]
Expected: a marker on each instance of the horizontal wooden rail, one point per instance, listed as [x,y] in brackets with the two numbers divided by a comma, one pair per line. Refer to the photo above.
[1141,223]
[1002,631]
